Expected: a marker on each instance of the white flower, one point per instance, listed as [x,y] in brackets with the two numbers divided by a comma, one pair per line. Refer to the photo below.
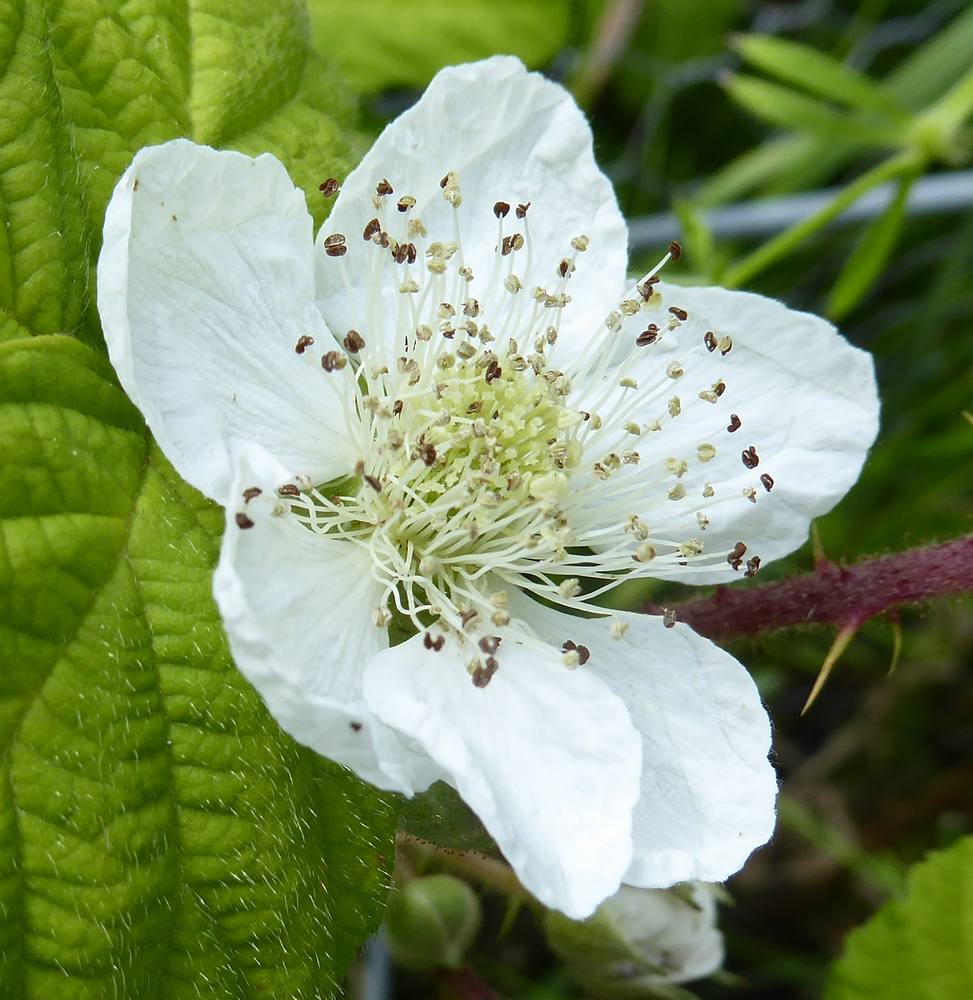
[641,939]
[451,406]
[674,933]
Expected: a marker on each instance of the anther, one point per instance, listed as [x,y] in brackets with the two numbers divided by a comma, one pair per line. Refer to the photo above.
[580,243]
[735,423]
[750,457]
[372,227]
[648,336]
[753,566]
[584,654]
[397,407]
[334,245]
[242,521]
[522,210]
[709,339]
[645,289]
[353,341]
[725,345]
[500,209]
[333,361]
[705,452]
[489,643]
[373,482]
[434,644]
[675,250]
[428,454]
[483,675]
[750,493]
[303,343]
[251,492]
[329,187]
[735,558]
[680,314]
[383,187]
[288,490]
[768,481]
[404,204]
[669,617]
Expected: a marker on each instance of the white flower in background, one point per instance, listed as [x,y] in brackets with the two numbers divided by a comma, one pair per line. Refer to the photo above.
[673,934]
[642,940]
[450,406]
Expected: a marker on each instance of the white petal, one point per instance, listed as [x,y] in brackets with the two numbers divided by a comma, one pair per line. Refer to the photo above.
[297,609]
[807,403]
[205,284]
[708,790]
[510,136]
[546,757]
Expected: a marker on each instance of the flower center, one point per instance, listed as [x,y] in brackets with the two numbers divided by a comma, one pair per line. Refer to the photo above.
[477,473]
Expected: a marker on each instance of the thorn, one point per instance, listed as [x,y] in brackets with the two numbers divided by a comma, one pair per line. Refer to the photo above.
[817,548]
[841,642]
[896,643]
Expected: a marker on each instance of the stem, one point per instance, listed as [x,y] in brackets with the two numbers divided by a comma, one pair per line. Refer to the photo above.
[835,595]
[774,249]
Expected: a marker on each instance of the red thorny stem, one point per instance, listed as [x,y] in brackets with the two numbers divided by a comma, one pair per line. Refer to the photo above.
[846,596]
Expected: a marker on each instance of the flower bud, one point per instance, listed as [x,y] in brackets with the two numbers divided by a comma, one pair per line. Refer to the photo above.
[431,922]
[640,940]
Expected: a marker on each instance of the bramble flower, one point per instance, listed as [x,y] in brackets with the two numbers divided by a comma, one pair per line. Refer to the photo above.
[640,941]
[451,417]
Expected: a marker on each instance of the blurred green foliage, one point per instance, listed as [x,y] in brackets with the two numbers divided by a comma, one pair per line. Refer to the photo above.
[920,941]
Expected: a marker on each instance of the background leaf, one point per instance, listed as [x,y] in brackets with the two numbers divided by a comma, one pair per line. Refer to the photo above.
[871,253]
[918,946]
[159,835]
[380,44]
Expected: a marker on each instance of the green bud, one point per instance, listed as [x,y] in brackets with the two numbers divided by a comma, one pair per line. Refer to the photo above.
[432,922]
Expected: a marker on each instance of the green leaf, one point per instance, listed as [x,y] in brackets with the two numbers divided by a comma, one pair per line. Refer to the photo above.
[440,816]
[788,109]
[919,946]
[381,44]
[159,835]
[870,255]
[157,826]
[816,73]
[934,66]
[763,166]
